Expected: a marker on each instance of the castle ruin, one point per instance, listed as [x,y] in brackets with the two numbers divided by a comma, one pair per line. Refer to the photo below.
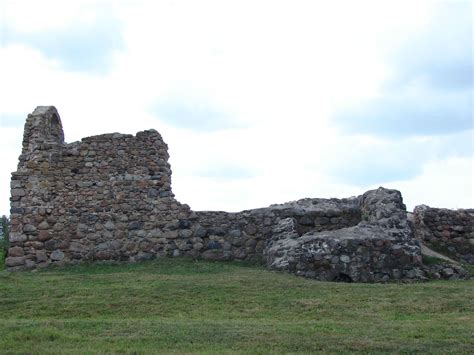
[108,198]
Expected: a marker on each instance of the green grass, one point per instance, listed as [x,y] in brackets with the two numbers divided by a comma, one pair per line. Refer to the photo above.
[432,260]
[3,249]
[469,268]
[184,306]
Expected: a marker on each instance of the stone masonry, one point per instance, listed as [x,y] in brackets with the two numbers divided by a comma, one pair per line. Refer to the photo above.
[448,231]
[108,198]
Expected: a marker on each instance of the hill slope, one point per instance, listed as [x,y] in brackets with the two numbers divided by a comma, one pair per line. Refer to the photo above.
[181,306]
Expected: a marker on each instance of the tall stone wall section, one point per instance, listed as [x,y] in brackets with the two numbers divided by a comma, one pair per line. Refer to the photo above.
[107,197]
[448,231]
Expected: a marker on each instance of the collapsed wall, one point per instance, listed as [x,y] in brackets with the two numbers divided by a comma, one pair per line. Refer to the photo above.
[245,235]
[379,248]
[108,198]
[450,232]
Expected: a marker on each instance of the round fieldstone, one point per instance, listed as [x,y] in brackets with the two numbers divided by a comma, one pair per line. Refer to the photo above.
[345,259]
[235,233]
[16,251]
[50,244]
[185,233]
[198,246]
[43,225]
[57,255]
[109,225]
[200,232]
[214,245]
[29,228]
[17,237]
[15,261]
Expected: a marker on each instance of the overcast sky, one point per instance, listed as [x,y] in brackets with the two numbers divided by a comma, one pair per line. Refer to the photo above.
[260,102]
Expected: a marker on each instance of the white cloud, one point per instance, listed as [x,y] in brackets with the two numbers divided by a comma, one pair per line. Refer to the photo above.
[446,183]
[430,90]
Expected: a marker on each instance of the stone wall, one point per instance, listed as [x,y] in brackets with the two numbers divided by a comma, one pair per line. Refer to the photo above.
[244,235]
[448,231]
[108,198]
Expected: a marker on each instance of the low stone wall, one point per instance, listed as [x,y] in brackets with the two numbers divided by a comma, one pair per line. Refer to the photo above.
[243,235]
[448,231]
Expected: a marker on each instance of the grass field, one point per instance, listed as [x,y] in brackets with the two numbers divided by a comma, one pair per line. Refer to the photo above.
[184,306]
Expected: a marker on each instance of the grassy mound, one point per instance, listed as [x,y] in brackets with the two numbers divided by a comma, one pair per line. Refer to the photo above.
[183,306]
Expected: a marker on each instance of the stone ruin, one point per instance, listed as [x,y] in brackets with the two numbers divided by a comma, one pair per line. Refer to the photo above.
[450,232]
[108,198]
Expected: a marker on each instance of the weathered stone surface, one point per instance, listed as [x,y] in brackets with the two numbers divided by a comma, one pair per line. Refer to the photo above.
[200,232]
[109,198]
[185,233]
[18,192]
[44,235]
[445,271]
[57,255]
[15,261]
[110,226]
[41,256]
[76,247]
[215,254]
[29,228]
[449,231]
[43,225]
[16,251]
[156,233]
[17,237]
[380,248]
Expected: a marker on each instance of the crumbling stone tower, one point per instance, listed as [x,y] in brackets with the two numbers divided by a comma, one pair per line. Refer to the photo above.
[43,130]
[107,197]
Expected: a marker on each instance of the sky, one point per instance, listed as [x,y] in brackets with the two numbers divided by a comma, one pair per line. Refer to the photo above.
[260,102]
